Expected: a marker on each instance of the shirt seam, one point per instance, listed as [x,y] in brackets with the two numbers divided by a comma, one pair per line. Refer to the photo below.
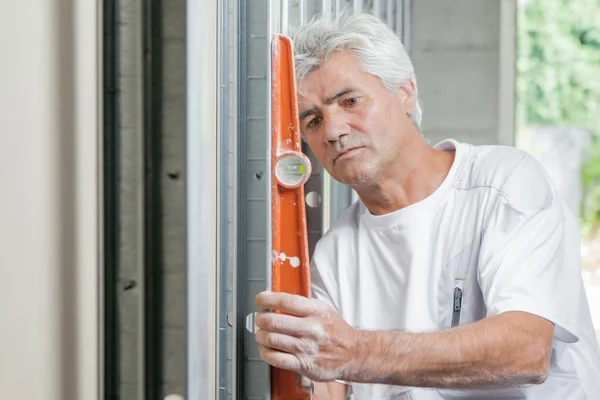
[500,190]
[501,193]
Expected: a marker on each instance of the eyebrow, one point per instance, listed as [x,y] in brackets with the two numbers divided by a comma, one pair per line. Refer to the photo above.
[328,101]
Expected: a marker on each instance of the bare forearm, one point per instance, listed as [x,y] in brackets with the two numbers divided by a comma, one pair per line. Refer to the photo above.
[498,351]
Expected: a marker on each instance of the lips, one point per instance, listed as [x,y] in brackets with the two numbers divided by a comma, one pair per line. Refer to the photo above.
[346,152]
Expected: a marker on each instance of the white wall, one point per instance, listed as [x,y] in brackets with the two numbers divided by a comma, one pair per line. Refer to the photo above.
[49,222]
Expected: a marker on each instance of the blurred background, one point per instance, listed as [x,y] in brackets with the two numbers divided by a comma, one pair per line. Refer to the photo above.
[557,103]
[134,223]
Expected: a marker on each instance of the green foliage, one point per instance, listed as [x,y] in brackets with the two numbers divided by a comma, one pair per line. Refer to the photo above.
[558,69]
[559,63]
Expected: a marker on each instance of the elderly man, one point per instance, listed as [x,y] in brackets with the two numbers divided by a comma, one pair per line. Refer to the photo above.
[456,275]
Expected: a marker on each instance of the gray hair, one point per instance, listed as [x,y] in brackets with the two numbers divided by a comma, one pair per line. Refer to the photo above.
[376,46]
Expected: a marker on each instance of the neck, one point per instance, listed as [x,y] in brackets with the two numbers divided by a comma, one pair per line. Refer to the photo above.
[412,177]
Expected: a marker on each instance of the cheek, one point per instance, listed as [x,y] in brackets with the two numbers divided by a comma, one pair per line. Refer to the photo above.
[370,120]
[318,148]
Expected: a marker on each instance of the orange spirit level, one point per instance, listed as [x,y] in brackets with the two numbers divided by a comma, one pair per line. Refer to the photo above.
[290,169]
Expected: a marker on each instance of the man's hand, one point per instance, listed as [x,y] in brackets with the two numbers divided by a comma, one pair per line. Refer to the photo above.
[505,350]
[309,338]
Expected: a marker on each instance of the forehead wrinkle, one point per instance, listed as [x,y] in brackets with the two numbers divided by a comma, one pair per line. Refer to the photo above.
[328,100]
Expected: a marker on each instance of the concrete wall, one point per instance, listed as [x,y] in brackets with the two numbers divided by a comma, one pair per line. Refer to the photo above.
[562,152]
[456,50]
[130,264]
[173,196]
[131,197]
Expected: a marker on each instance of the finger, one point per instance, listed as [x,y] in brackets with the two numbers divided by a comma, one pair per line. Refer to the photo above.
[288,303]
[279,359]
[285,343]
[286,324]
[306,383]
[278,341]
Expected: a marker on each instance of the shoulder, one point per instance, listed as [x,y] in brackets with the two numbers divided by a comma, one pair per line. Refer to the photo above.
[343,230]
[514,174]
[333,252]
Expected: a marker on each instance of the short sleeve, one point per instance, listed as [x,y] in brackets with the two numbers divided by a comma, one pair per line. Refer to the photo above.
[529,261]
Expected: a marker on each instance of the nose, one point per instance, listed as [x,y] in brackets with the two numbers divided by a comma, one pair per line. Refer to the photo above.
[336,126]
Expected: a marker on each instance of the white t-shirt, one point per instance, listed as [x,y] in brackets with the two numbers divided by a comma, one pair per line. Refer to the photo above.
[496,237]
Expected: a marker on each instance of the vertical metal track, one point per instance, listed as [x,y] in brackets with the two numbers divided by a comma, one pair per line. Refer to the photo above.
[110,213]
[407,25]
[326,8]
[153,260]
[303,12]
[223,192]
[389,13]
[284,12]
[240,272]
[274,24]
[326,201]
[399,25]
[252,378]
[234,182]
[377,8]
[202,194]
[318,186]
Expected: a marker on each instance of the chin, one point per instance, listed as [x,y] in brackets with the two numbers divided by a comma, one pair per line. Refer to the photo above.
[362,178]
[356,172]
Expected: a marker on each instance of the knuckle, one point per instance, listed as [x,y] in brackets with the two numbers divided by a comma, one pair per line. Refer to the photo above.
[262,352]
[287,364]
[307,347]
[261,337]
[259,320]
[271,340]
[318,333]
[274,322]
[323,310]
[266,320]
[288,302]
[260,299]
[320,305]
[308,366]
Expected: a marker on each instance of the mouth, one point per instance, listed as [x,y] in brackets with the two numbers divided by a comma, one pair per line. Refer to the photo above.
[347,153]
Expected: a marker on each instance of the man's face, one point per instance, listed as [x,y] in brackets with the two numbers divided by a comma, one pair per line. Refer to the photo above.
[352,124]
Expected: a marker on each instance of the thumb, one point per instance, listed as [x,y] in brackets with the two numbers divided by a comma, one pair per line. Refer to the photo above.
[306,384]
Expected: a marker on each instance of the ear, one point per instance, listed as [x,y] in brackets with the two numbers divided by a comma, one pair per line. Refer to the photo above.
[408,96]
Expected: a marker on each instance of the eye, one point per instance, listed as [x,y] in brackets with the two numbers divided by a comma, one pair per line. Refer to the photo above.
[313,123]
[351,101]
